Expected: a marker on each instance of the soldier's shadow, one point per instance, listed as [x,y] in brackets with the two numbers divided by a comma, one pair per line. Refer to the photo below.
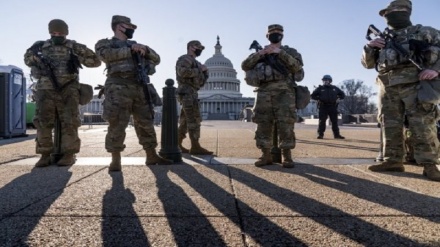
[360,230]
[187,227]
[121,225]
[25,200]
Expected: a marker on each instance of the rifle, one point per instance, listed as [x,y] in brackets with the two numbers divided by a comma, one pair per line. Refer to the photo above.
[269,58]
[388,36]
[145,80]
[255,45]
[47,66]
[101,90]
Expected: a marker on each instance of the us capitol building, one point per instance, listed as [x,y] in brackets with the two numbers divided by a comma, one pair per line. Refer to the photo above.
[219,98]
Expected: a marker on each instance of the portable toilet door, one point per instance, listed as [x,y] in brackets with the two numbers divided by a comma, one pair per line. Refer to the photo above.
[12,102]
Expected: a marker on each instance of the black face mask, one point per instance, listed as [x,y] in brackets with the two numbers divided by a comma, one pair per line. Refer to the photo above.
[398,19]
[198,52]
[129,33]
[58,40]
[275,38]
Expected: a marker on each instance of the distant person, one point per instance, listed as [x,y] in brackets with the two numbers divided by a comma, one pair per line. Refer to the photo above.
[328,97]
[124,95]
[191,76]
[55,64]
[400,82]
[276,68]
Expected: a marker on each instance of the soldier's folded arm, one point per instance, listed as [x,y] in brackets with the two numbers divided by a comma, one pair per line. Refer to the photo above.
[86,56]
[369,57]
[432,36]
[152,56]
[184,69]
[29,56]
[107,54]
[250,62]
[293,63]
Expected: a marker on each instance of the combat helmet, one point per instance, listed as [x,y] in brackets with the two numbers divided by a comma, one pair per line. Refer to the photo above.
[327,77]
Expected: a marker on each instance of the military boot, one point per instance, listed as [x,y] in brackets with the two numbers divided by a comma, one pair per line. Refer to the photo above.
[115,165]
[431,171]
[197,149]
[387,166]
[287,159]
[180,141]
[338,136]
[67,160]
[320,136]
[265,159]
[153,158]
[43,161]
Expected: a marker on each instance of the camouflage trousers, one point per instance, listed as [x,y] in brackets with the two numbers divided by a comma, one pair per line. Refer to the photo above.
[190,118]
[395,102]
[277,106]
[121,101]
[51,104]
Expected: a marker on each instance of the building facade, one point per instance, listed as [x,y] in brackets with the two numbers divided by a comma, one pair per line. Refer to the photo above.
[220,97]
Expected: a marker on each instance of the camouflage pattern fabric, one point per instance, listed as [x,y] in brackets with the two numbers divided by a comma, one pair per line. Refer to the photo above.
[123,99]
[275,102]
[190,79]
[124,94]
[49,101]
[421,122]
[398,81]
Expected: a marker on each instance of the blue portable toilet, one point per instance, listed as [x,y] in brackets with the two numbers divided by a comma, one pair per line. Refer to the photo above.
[12,102]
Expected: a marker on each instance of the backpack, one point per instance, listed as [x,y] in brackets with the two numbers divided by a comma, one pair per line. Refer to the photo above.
[302,97]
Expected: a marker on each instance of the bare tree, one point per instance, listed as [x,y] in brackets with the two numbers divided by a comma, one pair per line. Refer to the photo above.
[357,97]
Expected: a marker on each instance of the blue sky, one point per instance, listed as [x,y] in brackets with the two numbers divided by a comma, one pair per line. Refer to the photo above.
[329,34]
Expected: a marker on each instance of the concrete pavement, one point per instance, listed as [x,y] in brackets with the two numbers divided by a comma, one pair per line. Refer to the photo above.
[329,198]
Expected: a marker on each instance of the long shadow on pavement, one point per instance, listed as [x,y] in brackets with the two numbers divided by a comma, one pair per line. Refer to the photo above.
[188,225]
[403,200]
[266,233]
[121,225]
[348,225]
[24,201]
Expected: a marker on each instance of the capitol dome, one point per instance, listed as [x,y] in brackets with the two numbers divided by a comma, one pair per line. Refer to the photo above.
[220,97]
[222,76]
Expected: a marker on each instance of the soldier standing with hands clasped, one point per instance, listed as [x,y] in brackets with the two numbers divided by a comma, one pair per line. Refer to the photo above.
[328,97]
[55,64]
[277,68]
[191,76]
[400,79]
[124,93]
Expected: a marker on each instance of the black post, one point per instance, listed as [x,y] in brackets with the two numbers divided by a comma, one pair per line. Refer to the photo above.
[169,148]
[56,154]
[276,151]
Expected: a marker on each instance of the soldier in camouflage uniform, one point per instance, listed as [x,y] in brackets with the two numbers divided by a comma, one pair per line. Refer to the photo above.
[191,76]
[124,95]
[399,83]
[58,96]
[278,67]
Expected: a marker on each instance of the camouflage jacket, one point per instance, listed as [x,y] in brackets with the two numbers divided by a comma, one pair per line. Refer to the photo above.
[189,73]
[286,66]
[393,66]
[119,60]
[59,57]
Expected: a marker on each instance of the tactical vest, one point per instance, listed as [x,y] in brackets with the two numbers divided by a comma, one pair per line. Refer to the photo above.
[394,64]
[194,82]
[122,66]
[272,69]
[60,58]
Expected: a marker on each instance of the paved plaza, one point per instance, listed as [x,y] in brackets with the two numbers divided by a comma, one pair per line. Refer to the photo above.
[330,198]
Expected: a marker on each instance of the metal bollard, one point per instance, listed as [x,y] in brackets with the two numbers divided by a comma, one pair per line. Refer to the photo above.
[169,147]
